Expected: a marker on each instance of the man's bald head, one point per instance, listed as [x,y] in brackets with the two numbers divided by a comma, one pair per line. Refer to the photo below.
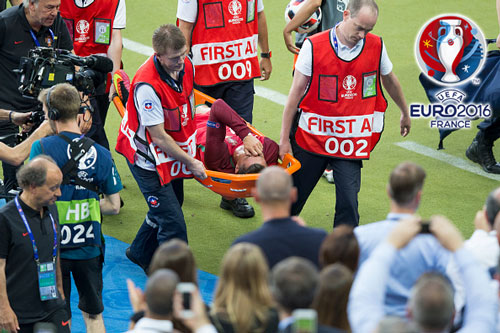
[159,293]
[274,185]
[355,6]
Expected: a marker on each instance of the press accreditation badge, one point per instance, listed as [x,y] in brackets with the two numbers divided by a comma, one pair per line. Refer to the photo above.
[47,281]
[369,85]
[102,31]
[250,10]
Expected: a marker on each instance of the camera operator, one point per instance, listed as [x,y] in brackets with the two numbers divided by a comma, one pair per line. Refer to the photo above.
[33,23]
[103,22]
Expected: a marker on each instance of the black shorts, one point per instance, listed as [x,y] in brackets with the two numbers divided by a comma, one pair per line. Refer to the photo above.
[57,322]
[88,280]
[238,95]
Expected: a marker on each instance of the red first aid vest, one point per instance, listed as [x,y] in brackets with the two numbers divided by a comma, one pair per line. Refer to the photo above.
[224,41]
[179,122]
[343,109]
[90,27]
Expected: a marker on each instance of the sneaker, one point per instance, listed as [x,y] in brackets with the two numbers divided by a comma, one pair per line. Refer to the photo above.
[239,206]
[483,155]
[328,174]
[128,253]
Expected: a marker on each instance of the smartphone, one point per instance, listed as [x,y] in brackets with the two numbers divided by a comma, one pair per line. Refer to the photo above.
[425,227]
[305,321]
[186,290]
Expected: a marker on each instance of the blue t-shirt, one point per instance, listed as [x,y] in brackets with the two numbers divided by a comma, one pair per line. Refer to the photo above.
[96,167]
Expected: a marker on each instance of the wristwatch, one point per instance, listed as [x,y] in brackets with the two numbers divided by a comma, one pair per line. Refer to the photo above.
[266,54]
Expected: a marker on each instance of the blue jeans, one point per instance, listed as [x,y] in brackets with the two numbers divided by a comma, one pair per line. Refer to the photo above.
[164,220]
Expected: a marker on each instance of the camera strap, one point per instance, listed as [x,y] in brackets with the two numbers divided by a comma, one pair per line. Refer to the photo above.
[77,149]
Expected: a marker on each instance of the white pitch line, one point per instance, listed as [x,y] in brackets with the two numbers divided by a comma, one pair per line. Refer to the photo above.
[271,95]
[137,47]
[260,91]
[446,158]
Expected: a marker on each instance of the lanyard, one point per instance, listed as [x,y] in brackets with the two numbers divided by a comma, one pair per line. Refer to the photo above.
[334,38]
[37,43]
[35,249]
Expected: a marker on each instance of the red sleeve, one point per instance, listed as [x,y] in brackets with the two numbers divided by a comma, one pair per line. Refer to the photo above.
[271,151]
[225,115]
[216,153]
[217,156]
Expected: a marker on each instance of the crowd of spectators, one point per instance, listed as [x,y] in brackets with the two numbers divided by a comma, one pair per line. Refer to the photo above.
[418,276]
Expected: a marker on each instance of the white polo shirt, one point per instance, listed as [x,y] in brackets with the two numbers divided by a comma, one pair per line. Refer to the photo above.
[304,60]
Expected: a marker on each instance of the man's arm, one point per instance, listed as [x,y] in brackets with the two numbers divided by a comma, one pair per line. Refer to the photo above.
[15,2]
[59,276]
[366,299]
[481,302]
[481,244]
[18,154]
[17,118]
[217,156]
[110,204]
[307,9]
[393,87]
[297,90]
[115,54]
[8,319]
[223,114]
[187,30]
[187,12]
[265,63]
[111,187]
[168,145]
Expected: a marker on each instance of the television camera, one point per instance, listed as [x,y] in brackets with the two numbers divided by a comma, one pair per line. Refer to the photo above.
[45,67]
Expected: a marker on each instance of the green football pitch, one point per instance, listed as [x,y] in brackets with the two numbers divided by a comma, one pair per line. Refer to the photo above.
[454,187]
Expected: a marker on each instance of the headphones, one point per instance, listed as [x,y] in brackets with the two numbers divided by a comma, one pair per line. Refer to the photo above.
[54,114]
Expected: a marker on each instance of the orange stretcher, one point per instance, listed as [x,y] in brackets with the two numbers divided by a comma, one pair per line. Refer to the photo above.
[225,184]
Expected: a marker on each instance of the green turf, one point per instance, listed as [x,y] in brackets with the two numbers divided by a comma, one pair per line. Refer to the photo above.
[449,191]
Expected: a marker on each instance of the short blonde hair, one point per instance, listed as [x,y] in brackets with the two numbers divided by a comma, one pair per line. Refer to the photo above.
[63,97]
[168,37]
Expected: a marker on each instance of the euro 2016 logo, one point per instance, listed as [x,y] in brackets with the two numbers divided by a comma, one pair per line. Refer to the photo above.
[450,51]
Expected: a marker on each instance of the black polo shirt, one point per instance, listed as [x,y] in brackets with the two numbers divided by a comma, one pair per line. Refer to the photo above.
[20,269]
[15,42]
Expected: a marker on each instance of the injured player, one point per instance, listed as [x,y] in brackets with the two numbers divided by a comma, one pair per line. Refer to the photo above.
[237,151]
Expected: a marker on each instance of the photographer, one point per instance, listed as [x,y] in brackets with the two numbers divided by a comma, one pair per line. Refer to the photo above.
[405,186]
[22,28]
[430,306]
